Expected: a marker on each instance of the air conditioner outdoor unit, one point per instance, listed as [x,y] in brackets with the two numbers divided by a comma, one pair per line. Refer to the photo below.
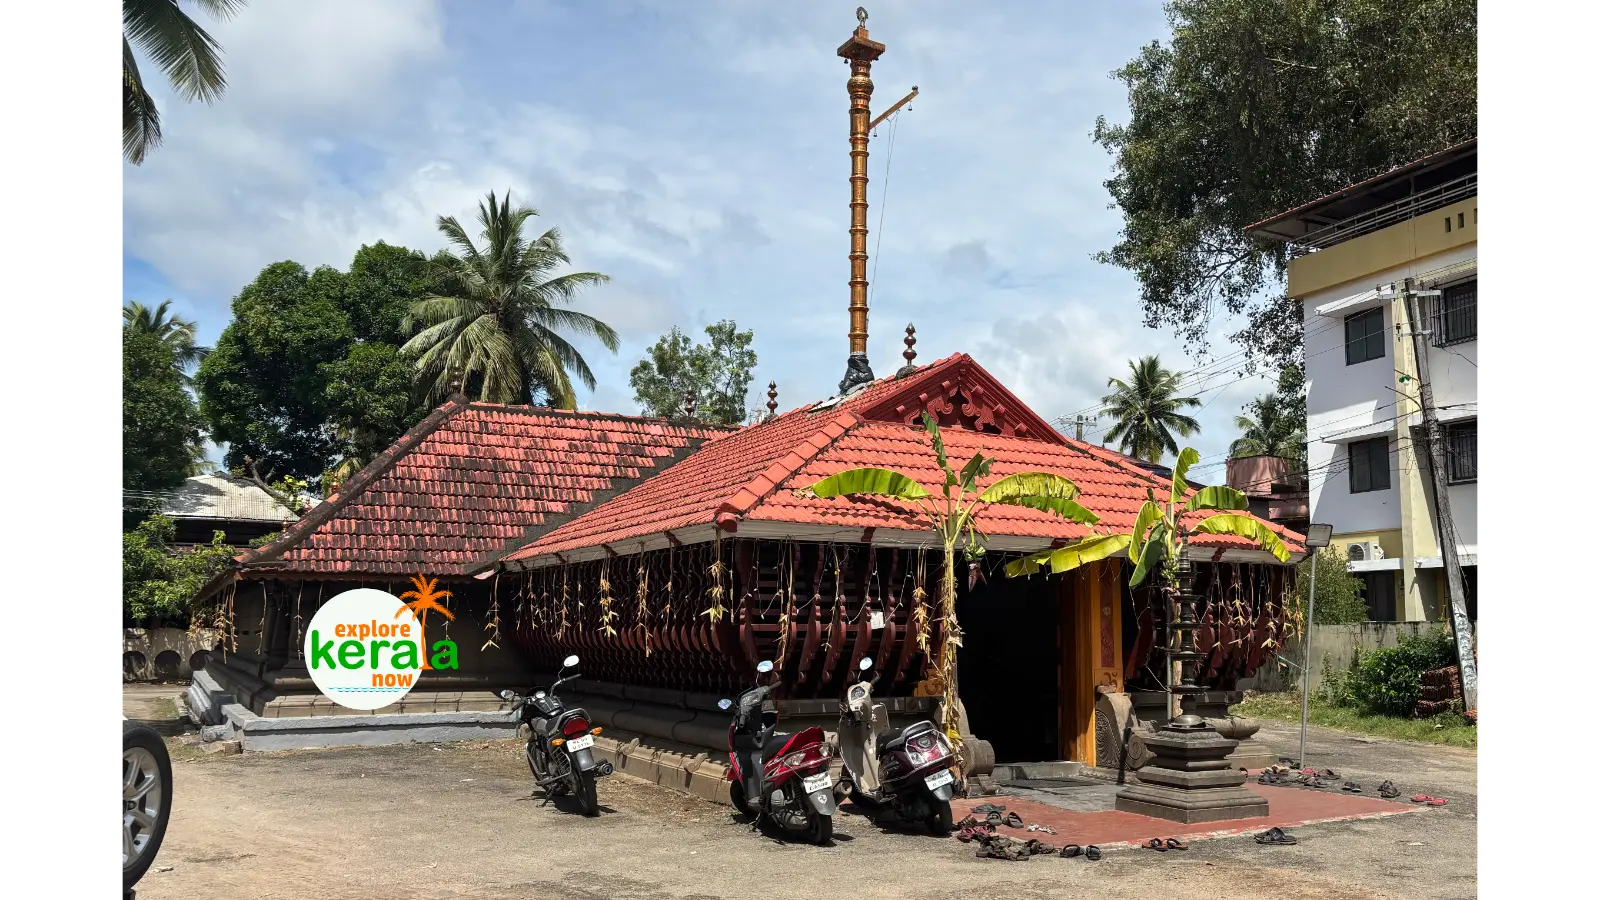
[1361,551]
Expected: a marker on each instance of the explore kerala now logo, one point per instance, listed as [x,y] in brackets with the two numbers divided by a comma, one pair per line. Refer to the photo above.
[365,647]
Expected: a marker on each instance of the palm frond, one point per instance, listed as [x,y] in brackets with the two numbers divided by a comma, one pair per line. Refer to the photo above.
[189,56]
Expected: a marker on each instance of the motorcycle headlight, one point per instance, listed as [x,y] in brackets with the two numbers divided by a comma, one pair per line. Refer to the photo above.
[795,760]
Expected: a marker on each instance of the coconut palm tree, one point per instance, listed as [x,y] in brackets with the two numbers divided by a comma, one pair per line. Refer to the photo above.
[424,599]
[952,517]
[1271,433]
[191,58]
[495,326]
[176,333]
[1147,410]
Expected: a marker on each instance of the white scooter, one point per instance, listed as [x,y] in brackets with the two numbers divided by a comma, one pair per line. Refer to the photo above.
[903,772]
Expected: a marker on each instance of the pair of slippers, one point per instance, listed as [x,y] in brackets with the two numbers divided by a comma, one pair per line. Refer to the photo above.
[1350,787]
[1428,800]
[1388,791]
[1001,847]
[1165,845]
[1276,837]
[1091,852]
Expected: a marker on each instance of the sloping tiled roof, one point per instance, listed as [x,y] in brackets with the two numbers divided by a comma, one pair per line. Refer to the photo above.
[748,479]
[470,480]
[220,496]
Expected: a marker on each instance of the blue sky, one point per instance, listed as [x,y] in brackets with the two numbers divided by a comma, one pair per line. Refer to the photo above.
[697,153]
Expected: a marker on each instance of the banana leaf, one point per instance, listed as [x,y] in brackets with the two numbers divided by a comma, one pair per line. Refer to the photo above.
[1149,515]
[869,481]
[1217,497]
[1066,509]
[977,467]
[1030,484]
[1248,528]
[1187,458]
[1149,555]
[1088,550]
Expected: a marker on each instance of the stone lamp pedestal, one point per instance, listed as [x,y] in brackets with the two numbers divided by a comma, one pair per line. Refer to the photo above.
[1190,779]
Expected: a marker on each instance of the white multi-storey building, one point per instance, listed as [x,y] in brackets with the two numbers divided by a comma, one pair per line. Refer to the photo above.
[1367,455]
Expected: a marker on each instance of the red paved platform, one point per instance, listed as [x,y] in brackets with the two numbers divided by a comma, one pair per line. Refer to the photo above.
[1287,807]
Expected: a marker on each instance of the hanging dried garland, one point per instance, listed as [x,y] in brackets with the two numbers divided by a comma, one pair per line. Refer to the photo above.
[493,625]
[919,602]
[607,614]
[717,593]
[642,615]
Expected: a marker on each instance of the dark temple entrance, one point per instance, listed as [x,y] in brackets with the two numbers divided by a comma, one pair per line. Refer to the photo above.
[1008,665]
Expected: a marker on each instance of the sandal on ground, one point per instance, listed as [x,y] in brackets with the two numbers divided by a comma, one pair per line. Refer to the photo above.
[1070,850]
[1156,844]
[986,808]
[1388,791]
[1437,801]
[1329,773]
[1350,787]
[1012,820]
[1091,853]
[1175,844]
[1044,828]
[1420,798]
[1037,847]
[994,818]
[1276,835]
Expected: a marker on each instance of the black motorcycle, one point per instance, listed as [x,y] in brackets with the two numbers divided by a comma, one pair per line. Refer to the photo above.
[560,743]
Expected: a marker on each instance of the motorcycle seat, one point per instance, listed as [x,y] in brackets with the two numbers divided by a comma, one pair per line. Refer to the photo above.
[896,738]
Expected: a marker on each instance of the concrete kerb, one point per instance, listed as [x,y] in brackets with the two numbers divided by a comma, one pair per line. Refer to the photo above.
[257,733]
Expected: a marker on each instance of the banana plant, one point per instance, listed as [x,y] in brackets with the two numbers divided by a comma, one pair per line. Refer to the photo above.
[952,515]
[1159,538]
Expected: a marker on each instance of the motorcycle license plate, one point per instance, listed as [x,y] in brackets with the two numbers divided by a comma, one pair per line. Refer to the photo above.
[814,783]
[580,743]
[939,779]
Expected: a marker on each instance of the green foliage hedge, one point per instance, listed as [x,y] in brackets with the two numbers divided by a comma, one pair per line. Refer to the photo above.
[158,580]
[1389,681]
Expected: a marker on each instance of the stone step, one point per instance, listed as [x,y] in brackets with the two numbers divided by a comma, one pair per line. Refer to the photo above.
[1035,771]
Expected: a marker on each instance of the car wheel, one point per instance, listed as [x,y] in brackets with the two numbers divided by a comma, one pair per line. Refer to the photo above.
[146,799]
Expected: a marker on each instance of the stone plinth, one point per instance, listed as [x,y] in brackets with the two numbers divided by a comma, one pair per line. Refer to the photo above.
[1190,779]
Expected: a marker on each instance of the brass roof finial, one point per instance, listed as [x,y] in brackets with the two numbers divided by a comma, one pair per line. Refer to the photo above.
[911,351]
[861,15]
[772,400]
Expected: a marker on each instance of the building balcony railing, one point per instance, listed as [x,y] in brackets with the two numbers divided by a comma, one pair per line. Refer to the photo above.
[1382,217]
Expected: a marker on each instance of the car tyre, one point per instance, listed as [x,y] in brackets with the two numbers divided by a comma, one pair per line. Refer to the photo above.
[146,799]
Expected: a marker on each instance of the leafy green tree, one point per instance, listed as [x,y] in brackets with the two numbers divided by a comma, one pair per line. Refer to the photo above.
[308,372]
[1268,431]
[158,579]
[1254,106]
[717,374]
[191,59]
[494,327]
[1147,410]
[179,334]
[160,425]
[1340,599]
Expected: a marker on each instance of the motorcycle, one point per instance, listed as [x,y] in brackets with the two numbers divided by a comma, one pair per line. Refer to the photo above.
[905,772]
[787,774]
[560,743]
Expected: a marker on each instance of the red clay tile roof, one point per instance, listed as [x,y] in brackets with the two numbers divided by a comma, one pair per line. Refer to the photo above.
[471,480]
[750,476]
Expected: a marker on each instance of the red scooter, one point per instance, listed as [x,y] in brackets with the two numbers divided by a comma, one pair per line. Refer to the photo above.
[787,774]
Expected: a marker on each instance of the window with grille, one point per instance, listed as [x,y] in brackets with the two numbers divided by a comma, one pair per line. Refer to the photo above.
[1369,465]
[1364,337]
[1461,452]
[1455,315]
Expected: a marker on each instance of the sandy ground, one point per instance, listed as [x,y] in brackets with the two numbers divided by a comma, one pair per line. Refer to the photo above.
[460,820]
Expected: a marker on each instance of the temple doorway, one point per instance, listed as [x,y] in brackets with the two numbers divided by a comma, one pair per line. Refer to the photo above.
[1009,665]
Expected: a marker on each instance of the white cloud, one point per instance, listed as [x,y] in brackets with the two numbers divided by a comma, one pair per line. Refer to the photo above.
[696,153]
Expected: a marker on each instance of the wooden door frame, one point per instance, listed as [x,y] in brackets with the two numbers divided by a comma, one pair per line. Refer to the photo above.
[1089,629]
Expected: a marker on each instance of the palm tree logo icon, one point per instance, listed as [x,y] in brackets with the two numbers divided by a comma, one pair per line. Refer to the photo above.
[425,598]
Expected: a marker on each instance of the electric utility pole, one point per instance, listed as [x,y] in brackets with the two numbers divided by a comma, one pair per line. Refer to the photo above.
[1446,528]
